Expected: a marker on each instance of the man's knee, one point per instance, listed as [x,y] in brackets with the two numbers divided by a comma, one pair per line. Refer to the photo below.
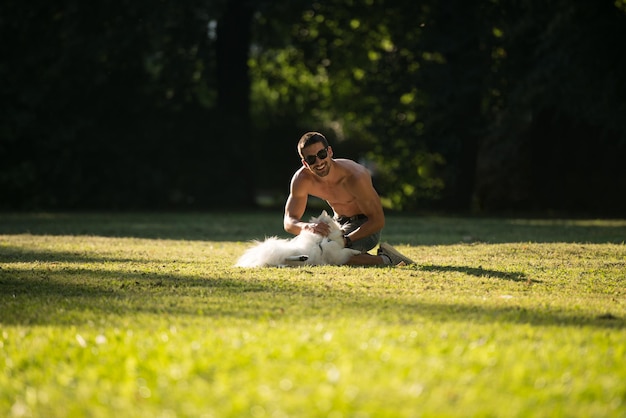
[367,243]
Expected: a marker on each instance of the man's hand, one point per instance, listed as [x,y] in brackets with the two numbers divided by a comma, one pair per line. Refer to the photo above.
[320,228]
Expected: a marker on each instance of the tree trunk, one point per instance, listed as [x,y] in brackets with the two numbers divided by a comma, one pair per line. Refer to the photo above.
[233,136]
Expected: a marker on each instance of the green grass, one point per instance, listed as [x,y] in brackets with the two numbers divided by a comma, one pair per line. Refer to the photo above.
[144,315]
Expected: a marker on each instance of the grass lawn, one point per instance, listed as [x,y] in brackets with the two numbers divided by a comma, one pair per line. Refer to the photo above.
[144,315]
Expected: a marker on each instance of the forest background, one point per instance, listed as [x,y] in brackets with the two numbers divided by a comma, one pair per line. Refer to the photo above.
[479,107]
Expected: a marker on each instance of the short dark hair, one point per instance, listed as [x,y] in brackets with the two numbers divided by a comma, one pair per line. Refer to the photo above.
[311,138]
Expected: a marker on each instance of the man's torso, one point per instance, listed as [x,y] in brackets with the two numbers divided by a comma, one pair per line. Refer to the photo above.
[337,192]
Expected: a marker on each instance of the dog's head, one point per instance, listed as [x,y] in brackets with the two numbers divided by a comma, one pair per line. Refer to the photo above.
[335,229]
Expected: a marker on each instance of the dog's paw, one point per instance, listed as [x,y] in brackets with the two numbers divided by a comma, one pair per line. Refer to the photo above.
[297,258]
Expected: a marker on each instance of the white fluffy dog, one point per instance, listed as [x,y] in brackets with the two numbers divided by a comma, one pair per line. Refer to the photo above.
[305,249]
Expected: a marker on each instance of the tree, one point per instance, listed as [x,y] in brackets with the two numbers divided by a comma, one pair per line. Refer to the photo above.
[438,87]
[557,131]
[454,105]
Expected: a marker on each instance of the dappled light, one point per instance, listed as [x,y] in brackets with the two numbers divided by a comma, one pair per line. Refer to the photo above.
[146,146]
[136,314]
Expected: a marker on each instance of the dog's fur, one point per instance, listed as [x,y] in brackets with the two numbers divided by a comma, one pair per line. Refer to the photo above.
[305,249]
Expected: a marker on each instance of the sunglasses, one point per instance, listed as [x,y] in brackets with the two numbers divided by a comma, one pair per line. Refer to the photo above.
[310,159]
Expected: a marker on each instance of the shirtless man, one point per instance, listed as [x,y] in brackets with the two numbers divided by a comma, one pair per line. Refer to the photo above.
[347,187]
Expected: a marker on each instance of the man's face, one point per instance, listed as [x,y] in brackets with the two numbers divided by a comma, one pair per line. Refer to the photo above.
[313,158]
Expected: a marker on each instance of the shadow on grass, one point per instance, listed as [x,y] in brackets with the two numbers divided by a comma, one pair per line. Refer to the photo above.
[80,296]
[184,226]
[12,254]
[246,226]
[480,272]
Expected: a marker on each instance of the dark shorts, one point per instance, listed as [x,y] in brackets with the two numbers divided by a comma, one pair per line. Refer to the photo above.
[349,224]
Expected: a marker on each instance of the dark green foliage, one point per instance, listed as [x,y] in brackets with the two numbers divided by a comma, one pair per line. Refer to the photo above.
[106,105]
[483,106]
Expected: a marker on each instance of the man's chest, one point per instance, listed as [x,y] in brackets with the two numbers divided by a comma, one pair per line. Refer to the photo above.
[332,193]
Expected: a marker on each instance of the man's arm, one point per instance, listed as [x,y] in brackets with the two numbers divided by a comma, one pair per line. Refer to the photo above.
[295,207]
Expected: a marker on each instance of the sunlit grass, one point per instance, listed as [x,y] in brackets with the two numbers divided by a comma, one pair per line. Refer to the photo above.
[145,315]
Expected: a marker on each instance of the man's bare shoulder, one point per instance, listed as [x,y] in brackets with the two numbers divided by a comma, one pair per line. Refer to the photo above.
[353,170]
[301,178]
[349,164]
[301,174]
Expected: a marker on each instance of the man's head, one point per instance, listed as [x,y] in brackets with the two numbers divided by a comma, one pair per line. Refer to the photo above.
[310,138]
[315,153]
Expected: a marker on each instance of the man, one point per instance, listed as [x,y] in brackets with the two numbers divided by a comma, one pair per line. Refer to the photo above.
[347,187]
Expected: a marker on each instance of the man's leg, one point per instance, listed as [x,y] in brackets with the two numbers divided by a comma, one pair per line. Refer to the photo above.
[365,259]
[395,257]
[387,255]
